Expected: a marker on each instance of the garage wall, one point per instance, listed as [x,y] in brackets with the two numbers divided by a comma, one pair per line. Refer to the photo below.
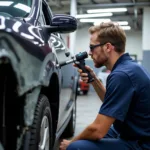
[146,56]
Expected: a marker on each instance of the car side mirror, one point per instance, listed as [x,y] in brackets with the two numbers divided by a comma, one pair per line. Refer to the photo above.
[62,24]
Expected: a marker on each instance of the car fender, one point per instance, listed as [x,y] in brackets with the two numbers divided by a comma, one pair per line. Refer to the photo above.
[28,76]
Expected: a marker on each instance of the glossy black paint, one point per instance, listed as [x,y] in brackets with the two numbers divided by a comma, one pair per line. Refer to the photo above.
[35,48]
[64,23]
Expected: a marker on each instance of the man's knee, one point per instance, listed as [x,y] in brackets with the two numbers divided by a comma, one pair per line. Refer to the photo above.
[83,145]
[73,146]
[78,145]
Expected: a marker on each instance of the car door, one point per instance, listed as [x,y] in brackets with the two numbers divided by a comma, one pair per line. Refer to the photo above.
[58,46]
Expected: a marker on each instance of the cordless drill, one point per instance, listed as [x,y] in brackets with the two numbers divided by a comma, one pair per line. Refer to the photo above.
[78,59]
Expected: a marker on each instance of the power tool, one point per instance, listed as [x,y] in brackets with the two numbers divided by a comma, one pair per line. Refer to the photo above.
[78,59]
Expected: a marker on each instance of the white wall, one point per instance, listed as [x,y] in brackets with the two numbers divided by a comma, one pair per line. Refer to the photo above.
[134,43]
[146,31]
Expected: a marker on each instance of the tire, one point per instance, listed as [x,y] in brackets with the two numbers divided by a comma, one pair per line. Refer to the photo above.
[70,129]
[42,125]
[85,92]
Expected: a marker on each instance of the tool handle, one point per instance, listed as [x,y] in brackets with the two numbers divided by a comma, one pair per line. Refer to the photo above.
[81,65]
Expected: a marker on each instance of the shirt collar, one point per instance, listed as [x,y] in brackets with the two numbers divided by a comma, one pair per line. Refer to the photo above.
[122,58]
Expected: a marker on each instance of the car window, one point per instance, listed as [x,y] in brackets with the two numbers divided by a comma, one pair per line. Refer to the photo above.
[47,13]
[15,8]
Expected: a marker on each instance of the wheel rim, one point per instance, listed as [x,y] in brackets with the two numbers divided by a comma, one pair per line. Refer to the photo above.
[44,134]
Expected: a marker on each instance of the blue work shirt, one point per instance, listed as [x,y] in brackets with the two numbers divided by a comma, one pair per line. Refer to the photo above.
[127,99]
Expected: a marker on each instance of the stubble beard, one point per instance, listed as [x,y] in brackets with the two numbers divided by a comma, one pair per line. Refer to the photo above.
[101,62]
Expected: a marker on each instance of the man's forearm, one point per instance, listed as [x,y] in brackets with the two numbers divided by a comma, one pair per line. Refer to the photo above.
[99,88]
[88,134]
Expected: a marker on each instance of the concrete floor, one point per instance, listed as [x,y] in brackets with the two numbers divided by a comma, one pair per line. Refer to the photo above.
[87,110]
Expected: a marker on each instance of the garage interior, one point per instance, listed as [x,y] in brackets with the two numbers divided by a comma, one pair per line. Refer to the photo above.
[132,12]
[50,102]
[132,15]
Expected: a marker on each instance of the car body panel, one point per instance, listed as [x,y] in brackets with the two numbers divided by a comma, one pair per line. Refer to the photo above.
[35,56]
[30,45]
[66,79]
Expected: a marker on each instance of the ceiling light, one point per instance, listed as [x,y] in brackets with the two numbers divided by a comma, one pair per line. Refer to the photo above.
[107,10]
[4,3]
[122,23]
[95,20]
[125,27]
[93,15]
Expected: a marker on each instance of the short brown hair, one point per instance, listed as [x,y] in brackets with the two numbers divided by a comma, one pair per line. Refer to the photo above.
[110,32]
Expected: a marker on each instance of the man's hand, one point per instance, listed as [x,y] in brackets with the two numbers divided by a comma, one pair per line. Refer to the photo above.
[84,76]
[64,144]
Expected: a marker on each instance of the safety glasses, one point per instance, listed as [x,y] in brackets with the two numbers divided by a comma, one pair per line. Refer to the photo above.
[92,47]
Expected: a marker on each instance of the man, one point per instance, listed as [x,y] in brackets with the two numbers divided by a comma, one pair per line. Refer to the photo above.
[126,100]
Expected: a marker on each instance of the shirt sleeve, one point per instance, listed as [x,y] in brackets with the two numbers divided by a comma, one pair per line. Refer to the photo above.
[119,94]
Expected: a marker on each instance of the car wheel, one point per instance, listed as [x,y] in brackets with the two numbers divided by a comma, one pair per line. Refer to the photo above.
[70,129]
[85,92]
[41,130]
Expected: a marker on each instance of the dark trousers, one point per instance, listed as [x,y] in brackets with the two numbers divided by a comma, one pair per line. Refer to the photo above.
[109,142]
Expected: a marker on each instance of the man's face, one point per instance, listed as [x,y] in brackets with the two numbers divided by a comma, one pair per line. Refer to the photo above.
[98,53]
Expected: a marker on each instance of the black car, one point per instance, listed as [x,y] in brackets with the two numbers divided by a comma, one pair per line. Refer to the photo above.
[37,96]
